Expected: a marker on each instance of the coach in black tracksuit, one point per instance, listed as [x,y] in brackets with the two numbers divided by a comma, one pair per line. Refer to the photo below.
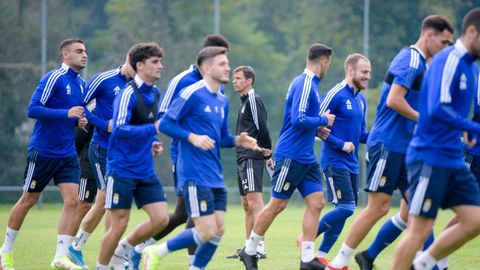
[252,118]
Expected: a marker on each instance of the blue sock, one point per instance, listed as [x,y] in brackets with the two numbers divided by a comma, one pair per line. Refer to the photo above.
[187,238]
[429,241]
[205,252]
[334,222]
[387,234]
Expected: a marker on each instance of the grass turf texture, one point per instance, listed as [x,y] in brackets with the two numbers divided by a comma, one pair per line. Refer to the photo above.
[35,245]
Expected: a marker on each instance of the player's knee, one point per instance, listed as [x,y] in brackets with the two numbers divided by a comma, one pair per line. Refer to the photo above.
[71,202]
[220,230]
[255,205]
[28,200]
[160,222]
[245,205]
[280,206]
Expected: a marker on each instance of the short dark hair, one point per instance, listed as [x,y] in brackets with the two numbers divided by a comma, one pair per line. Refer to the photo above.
[216,40]
[317,51]
[438,23]
[209,53]
[352,60]
[67,42]
[142,51]
[472,18]
[248,72]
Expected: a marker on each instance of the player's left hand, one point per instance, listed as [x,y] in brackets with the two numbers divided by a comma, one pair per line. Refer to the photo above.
[323,132]
[248,142]
[157,148]
[82,122]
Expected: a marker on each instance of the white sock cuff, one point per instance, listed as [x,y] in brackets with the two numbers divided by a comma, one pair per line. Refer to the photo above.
[126,243]
[399,222]
[347,249]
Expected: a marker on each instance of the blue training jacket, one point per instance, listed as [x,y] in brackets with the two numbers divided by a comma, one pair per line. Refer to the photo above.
[103,87]
[204,112]
[349,126]
[301,119]
[446,97]
[390,128]
[57,92]
[129,152]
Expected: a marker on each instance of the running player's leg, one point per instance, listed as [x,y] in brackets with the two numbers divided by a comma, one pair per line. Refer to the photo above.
[341,193]
[386,170]
[461,193]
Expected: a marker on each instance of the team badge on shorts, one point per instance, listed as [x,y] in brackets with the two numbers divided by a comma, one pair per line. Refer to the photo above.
[383,180]
[203,206]
[426,205]
[33,184]
[116,198]
[286,186]
[87,194]
[339,194]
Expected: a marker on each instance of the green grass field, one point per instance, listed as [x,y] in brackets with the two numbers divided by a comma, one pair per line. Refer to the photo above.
[35,245]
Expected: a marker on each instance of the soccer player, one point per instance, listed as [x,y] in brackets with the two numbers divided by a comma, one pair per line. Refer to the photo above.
[130,168]
[179,216]
[340,152]
[296,165]
[252,118]
[199,119]
[56,104]
[102,88]
[435,160]
[388,141]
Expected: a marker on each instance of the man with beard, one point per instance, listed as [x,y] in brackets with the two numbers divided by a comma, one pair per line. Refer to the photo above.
[340,149]
[199,119]
[388,140]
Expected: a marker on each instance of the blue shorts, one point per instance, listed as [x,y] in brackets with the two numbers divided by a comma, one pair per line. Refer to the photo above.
[202,200]
[386,171]
[434,187]
[98,160]
[473,163]
[121,191]
[41,169]
[342,185]
[290,175]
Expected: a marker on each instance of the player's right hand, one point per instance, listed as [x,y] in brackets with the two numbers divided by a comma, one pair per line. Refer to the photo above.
[76,112]
[201,141]
[348,147]
[331,117]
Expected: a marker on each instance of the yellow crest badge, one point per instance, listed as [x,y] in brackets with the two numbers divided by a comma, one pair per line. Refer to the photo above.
[33,184]
[203,206]
[383,180]
[116,198]
[427,204]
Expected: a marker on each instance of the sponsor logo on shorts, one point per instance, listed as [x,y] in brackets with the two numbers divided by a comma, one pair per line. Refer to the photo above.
[116,198]
[427,204]
[203,205]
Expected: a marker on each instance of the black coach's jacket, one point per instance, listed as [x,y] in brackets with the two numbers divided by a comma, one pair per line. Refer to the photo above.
[252,118]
